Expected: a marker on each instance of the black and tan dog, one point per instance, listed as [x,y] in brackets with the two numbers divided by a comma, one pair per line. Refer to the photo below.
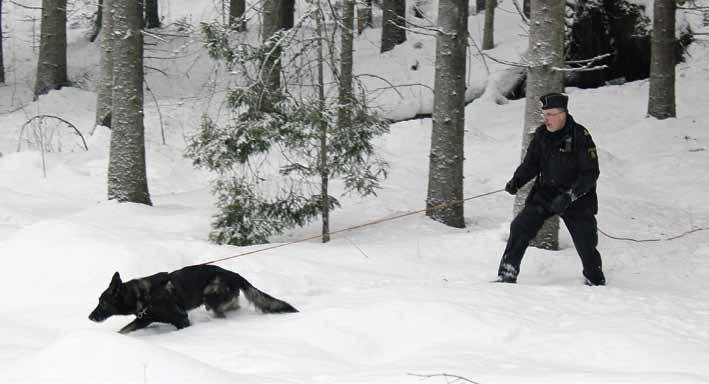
[166,297]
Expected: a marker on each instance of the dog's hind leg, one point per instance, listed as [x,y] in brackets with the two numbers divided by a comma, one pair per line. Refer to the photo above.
[219,297]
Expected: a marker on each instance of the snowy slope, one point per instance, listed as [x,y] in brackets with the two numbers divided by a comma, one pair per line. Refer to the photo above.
[377,304]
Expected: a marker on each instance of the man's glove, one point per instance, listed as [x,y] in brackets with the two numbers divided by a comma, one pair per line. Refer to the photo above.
[511,187]
[561,203]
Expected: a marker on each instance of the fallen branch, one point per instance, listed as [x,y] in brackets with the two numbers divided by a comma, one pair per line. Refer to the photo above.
[655,239]
[447,376]
[28,122]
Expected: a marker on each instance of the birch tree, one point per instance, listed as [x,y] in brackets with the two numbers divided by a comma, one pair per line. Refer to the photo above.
[546,50]
[661,100]
[127,181]
[104,88]
[393,19]
[51,65]
[445,179]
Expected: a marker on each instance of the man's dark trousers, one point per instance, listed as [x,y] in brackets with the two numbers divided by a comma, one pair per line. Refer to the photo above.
[581,225]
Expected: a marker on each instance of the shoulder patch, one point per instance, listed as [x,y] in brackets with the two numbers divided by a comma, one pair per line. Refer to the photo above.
[585,132]
[592,153]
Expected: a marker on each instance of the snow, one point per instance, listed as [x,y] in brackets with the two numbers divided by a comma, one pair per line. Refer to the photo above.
[376,304]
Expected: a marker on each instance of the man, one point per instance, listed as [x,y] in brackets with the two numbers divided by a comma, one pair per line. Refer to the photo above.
[563,158]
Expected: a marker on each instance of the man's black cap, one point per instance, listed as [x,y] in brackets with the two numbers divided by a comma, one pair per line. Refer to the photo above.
[554,100]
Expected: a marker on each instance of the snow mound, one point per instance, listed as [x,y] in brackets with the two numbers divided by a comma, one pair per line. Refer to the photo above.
[99,357]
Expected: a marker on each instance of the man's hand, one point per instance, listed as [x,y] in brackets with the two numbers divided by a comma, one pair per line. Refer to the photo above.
[561,203]
[511,187]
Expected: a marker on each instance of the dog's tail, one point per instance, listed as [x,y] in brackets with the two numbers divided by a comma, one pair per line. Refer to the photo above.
[262,300]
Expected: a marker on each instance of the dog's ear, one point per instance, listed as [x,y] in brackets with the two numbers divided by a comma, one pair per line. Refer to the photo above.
[115,281]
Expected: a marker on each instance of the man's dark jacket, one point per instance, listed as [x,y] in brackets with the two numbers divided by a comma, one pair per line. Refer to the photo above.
[562,161]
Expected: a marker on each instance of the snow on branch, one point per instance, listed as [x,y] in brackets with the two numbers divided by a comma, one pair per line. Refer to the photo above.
[505,62]
[580,69]
[587,67]
[591,60]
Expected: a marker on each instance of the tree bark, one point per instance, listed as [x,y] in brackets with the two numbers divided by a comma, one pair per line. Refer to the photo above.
[546,50]
[661,100]
[489,30]
[152,16]
[51,65]
[271,65]
[104,88]
[236,15]
[2,61]
[394,16]
[97,22]
[324,174]
[288,14]
[346,62]
[479,6]
[445,179]
[127,181]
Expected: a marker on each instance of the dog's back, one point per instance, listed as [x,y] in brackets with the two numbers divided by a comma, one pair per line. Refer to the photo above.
[219,288]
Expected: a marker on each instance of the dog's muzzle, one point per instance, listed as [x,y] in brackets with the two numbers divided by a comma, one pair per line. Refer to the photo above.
[96,316]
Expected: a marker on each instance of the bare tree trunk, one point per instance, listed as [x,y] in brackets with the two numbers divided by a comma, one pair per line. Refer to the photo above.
[51,65]
[288,14]
[236,14]
[97,22]
[152,16]
[489,31]
[364,16]
[445,179]
[127,181]
[104,89]
[661,100]
[479,5]
[394,17]
[346,62]
[546,50]
[271,66]
[324,174]
[2,61]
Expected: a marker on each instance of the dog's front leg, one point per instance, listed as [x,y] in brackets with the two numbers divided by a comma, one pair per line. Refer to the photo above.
[138,323]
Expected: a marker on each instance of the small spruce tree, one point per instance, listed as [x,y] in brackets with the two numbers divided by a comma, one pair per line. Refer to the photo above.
[268,161]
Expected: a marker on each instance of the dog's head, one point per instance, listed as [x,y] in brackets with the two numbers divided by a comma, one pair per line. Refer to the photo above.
[111,302]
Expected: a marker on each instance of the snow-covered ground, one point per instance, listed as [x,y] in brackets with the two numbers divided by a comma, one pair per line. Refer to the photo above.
[380,304]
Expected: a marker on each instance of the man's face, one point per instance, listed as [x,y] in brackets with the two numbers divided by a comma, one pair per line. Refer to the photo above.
[554,119]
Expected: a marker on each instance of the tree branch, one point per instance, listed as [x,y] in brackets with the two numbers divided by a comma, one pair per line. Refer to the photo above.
[447,376]
[24,6]
[521,13]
